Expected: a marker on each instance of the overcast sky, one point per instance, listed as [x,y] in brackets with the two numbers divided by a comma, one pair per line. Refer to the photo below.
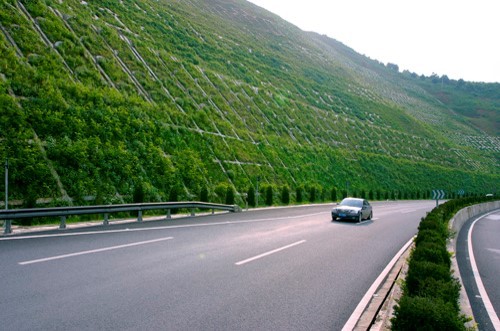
[457,38]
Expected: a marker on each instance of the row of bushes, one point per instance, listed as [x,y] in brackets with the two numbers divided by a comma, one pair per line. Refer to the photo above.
[430,299]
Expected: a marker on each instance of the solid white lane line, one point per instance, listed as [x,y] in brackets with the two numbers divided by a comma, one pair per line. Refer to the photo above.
[166,227]
[356,314]
[269,253]
[93,251]
[475,271]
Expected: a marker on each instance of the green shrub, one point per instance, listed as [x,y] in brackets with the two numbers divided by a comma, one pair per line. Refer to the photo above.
[285,195]
[428,235]
[204,194]
[422,313]
[229,195]
[251,196]
[432,223]
[419,271]
[298,194]
[432,252]
[269,195]
[139,194]
[333,195]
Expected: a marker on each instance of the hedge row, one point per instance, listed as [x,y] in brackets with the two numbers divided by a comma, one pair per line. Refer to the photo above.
[430,299]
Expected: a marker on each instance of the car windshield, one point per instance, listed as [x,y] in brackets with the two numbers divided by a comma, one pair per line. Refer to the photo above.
[352,203]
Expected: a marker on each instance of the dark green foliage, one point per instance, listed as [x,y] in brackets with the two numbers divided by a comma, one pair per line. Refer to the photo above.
[204,194]
[420,271]
[251,196]
[174,194]
[430,236]
[312,194]
[269,195]
[139,194]
[229,196]
[333,194]
[298,194]
[432,252]
[423,313]
[285,195]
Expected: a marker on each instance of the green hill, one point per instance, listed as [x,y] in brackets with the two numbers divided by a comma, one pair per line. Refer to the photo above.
[112,101]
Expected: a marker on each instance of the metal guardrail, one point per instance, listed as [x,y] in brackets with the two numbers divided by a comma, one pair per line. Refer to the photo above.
[63,212]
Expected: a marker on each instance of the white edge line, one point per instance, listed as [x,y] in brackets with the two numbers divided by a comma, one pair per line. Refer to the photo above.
[356,314]
[269,253]
[477,277]
[93,251]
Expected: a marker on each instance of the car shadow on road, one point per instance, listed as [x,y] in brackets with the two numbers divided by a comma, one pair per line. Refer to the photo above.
[353,223]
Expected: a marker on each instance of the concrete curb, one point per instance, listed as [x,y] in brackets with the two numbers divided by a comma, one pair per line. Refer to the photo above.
[379,311]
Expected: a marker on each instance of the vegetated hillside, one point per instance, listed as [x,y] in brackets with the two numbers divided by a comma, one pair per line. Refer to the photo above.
[479,103]
[163,99]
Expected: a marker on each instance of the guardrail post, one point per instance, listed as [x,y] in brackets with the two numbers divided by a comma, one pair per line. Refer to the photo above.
[106,220]
[63,223]
[192,212]
[213,211]
[169,216]
[139,216]
[7,227]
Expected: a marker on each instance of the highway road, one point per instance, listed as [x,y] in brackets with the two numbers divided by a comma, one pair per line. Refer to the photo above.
[268,269]
[478,257]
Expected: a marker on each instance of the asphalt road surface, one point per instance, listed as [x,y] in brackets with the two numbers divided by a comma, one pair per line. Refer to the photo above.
[270,269]
[478,256]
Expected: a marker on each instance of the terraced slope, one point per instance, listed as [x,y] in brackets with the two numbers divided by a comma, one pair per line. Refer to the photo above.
[159,100]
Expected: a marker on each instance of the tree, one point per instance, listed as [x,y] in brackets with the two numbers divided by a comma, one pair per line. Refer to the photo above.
[363,194]
[298,194]
[251,196]
[393,67]
[334,194]
[138,195]
[285,195]
[229,195]
[204,194]
[312,194]
[269,195]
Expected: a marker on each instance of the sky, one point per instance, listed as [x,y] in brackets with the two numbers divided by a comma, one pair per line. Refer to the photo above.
[457,38]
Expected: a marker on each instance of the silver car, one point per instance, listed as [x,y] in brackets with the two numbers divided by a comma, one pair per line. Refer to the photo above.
[352,209]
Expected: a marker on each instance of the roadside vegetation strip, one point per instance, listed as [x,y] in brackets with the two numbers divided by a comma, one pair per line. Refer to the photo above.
[430,292]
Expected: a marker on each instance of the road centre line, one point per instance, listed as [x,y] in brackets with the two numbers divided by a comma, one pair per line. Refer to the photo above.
[269,253]
[93,251]
[166,227]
